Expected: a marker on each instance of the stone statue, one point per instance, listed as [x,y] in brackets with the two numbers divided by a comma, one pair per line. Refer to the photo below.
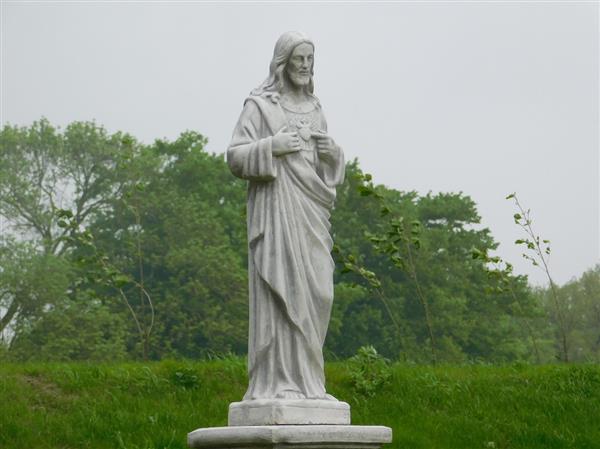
[281,146]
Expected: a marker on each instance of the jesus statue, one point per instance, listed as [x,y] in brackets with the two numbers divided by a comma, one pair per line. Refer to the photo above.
[281,146]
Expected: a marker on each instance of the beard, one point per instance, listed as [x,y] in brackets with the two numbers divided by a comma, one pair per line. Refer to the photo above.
[299,80]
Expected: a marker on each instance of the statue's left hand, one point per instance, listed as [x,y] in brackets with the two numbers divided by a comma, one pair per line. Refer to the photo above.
[326,147]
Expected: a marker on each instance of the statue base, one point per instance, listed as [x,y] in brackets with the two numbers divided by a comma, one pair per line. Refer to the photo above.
[291,437]
[268,412]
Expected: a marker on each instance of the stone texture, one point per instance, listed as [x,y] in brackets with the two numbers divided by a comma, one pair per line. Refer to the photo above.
[281,147]
[292,437]
[265,412]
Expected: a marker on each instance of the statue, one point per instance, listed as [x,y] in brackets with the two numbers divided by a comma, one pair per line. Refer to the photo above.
[281,146]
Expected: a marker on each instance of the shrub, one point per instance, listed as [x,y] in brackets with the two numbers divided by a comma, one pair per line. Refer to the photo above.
[369,371]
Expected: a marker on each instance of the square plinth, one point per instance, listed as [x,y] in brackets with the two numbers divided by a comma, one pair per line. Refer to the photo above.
[291,437]
[267,412]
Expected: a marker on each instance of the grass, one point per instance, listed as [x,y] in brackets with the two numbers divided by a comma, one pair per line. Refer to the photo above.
[154,405]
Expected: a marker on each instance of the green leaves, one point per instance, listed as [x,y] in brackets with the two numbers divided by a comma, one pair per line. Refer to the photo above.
[120,280]
[369,371]
[169,214]
[350,265]
[477,253]
[537,254]
[64,213]
[366,190]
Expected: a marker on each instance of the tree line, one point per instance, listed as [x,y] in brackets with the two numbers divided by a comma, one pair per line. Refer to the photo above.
[113,249]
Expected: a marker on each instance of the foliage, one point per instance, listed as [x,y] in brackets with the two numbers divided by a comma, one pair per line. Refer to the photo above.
[151,240]
[30,282]
[580,299]
[74,330]
[153,231]
[413,256]
[398,241]
[537,252]
[369,371]
[502,280]
[41,170]
[187,221]
[186,377]
[96,268]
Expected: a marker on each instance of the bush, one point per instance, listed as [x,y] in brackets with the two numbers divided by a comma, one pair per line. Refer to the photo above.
[369,371]
[74,330]
[185,377]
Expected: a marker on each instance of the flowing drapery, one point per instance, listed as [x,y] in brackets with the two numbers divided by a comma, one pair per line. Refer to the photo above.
[290,265]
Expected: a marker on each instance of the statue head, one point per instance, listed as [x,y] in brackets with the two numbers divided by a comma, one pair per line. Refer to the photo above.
[289,64]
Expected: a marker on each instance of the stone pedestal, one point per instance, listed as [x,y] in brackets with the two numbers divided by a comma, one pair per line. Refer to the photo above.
[290,423]
[292,437]
[268,412]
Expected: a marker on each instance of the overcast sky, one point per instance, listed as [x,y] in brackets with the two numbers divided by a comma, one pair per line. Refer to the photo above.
[483,98]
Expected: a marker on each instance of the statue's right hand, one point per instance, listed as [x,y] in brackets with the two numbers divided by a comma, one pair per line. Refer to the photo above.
[285,142]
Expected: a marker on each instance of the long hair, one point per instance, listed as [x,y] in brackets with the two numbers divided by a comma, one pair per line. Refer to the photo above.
[283,50]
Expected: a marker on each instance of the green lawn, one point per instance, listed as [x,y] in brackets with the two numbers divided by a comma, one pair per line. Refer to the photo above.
[154,405]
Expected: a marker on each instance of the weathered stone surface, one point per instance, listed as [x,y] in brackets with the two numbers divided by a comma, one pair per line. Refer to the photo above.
[281,147]
[292,437]
[265,412]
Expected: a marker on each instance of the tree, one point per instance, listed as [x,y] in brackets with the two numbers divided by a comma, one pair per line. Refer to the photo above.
[29,282]
[581,304]
[537,252]
[82,329]
[140,250]
[185,218]
[42,170]
[417,257]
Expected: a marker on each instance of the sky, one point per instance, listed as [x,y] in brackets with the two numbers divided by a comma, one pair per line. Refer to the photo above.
[484,98]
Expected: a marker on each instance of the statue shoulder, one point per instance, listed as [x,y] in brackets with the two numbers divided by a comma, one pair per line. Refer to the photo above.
[264,99]
[265,104]
[262,108]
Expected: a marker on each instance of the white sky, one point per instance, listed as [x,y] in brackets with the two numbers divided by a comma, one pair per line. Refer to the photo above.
[484,98]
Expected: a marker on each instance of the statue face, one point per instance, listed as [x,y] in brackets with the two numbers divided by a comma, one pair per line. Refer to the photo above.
[299,66]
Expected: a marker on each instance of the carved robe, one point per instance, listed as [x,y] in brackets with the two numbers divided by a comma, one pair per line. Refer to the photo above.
[290,264]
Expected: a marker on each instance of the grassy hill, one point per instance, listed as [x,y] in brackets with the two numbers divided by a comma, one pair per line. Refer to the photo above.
[154,405]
